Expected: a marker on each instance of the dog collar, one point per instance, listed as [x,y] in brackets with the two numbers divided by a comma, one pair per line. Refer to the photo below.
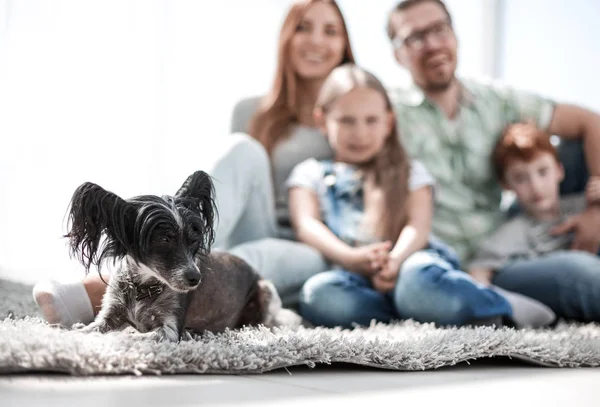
[148,291]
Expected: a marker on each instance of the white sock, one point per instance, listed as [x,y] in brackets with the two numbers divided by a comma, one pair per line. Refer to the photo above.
[527,312]
[63,302]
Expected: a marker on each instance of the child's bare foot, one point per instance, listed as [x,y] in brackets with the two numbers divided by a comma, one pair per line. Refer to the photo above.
[63,303]
[68,302]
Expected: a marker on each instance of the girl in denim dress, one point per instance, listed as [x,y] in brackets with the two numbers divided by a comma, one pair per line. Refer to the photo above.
[369,212]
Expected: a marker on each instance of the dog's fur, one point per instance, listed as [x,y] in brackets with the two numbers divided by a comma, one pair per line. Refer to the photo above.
[167,280]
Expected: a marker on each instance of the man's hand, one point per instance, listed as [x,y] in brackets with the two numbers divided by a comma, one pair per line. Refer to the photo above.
[592,190]
[586,227]
[385,280]
[368,260]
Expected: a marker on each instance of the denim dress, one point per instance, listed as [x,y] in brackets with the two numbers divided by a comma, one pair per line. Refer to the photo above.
[342,204]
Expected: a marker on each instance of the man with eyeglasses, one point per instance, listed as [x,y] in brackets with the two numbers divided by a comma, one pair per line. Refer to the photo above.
[452,125]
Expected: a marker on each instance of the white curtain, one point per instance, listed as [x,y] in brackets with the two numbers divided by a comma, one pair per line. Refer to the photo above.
[134,96]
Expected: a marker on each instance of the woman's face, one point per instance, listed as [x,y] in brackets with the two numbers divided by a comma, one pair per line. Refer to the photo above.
[319,43]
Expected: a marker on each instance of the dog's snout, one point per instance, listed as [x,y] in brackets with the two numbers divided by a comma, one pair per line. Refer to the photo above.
[192,277]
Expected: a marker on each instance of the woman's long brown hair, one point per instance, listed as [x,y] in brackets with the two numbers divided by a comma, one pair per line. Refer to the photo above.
[389,170]
[279,108]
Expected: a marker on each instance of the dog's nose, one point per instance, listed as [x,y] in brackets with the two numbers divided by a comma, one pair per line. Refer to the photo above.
[192,277]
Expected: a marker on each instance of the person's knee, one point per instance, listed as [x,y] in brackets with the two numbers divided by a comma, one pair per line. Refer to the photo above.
[413,279]
[257,252]
[243,156]
[286,263]
[246,148]
[582,267]
[576,278]
[424,304]
[317,289]
[281,256]
[418,296]
[413,286]
[574,265]
[324,300]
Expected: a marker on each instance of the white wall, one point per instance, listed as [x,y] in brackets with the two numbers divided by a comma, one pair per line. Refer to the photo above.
[136,94]
[553,47]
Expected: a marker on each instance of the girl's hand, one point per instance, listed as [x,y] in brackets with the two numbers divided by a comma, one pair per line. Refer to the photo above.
[368,260]
[482,275]
[592,190]
[385,280]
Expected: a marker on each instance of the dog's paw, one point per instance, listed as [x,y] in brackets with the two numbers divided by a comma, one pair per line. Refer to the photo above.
[143,336]
[274,313]
[187,336]
[129,330]
[159,335]
[77,326]
[90,328]
[270,302]
[287,317]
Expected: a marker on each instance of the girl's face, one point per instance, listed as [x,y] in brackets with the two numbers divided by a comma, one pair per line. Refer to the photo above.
[319,42]
[357,125]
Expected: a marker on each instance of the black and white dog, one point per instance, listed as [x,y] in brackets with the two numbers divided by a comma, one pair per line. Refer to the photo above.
[167,280]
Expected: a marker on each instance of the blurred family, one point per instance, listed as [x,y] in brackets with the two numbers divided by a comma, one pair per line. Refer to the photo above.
[360,202]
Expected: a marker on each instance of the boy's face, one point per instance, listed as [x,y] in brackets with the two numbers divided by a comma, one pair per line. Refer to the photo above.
[536,183]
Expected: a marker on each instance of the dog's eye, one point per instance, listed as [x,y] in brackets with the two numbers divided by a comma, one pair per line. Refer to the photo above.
[196,230]
[165,239]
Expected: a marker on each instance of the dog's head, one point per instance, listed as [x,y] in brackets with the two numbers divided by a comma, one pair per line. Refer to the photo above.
[160,236]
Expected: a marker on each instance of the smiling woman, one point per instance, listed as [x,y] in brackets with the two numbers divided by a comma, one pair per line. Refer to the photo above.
[313,41]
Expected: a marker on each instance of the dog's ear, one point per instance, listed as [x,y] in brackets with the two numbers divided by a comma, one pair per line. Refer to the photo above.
[197,193]
[93,212]
[197,185]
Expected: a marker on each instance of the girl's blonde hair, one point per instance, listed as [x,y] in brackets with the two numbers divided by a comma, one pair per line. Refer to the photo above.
[279,108]
[389,169]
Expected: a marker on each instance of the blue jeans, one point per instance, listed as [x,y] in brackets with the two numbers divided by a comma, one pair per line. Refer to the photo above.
[430,288]
[567,282]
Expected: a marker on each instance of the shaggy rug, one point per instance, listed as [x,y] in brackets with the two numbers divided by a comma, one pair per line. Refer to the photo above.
[28,344]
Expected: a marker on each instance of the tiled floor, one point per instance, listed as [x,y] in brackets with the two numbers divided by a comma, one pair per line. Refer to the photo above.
[482,384]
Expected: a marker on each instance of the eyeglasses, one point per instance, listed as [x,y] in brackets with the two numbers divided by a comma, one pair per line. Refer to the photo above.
[416,41]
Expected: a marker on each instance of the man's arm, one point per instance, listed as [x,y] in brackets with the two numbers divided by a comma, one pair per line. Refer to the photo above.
[592,190]
[574,122]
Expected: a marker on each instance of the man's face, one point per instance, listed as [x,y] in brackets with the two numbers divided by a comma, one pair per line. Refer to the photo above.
[425,44]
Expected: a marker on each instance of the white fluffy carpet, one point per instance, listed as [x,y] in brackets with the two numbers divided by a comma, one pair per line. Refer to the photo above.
[28,344]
